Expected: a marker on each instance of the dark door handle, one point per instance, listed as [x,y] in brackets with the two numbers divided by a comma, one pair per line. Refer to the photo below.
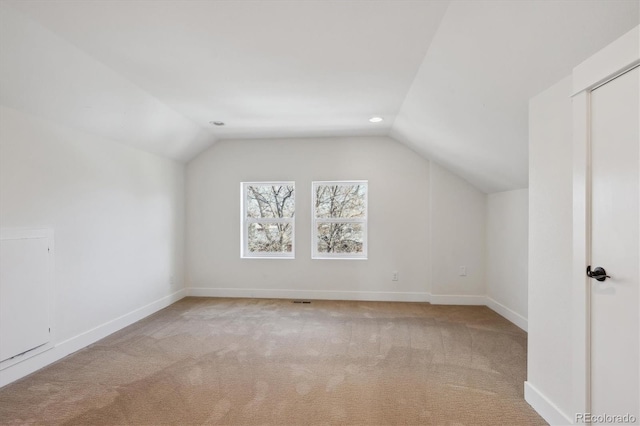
[598,273]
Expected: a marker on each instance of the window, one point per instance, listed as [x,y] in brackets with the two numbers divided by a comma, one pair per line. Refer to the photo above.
[339,229]
[267,220]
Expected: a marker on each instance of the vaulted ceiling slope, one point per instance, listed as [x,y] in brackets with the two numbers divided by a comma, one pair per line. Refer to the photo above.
[451,79]
[468,106]
[265,68]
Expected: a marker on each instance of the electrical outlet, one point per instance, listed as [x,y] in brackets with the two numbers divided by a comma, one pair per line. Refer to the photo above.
[462,271]
[171,280]
[394,276]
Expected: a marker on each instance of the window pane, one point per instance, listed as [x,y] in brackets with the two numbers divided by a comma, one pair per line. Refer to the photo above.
[270,238]
[341,201]
[340,237]
[270,201]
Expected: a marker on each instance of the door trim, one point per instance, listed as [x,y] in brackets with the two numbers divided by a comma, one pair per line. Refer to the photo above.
[617,58]
[608,63]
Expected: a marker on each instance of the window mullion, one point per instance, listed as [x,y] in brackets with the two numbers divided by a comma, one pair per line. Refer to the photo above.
[340,220]
[268,220]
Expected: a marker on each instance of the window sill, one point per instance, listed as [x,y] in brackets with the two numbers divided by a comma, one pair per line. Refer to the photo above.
[269,257]
[338,258]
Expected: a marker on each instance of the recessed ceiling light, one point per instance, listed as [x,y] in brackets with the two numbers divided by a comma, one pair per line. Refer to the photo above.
[217,123]
[375,119]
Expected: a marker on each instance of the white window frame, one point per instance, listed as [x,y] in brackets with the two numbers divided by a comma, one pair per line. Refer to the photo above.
[245,221]
[315,221]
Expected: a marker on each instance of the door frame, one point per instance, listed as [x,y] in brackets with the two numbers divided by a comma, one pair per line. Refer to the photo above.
[615,59]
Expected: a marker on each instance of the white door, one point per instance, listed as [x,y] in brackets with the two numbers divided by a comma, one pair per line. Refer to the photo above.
[615,237]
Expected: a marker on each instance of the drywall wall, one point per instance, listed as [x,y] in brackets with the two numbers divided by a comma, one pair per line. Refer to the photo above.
[549,381]
[398,205]
[117,214]
[507,254]
[457,239]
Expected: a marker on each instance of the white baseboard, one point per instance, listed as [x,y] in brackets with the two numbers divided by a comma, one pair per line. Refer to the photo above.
[455,299]
[512,316]
[29,365]
[383,296]
[380,296]
[62,349]
[499,308]
[547,409]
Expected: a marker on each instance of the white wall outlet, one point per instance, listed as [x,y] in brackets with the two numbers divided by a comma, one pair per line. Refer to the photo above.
[462,271]
[394,276]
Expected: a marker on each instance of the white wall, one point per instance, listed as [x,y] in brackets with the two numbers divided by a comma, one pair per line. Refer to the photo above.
[549,381]
[507,254]
[398,219]
[117,214]
[457,238]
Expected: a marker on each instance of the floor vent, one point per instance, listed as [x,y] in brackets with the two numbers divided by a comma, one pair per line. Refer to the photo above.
[301,301]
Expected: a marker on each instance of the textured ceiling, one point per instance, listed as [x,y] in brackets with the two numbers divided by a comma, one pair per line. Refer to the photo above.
[451,79]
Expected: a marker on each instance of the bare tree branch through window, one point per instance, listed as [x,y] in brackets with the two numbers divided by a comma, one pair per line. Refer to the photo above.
[340,219]
[268,216]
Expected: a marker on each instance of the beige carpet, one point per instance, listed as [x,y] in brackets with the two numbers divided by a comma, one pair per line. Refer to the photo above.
[274,362]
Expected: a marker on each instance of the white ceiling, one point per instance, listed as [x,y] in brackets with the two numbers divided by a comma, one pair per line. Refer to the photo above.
[468,106]
[452,80]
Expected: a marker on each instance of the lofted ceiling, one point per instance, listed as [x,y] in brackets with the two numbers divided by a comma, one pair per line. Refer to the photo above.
[468,106]
[451,79]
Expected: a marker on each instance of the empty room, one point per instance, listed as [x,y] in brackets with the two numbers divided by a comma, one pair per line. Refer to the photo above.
[324,212]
